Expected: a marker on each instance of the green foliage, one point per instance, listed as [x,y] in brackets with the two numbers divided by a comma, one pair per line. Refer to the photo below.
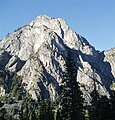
[16,88]
[12,83]
[104,108]
[4,114]
[112,105]
[68,106]
[46,110]
[29,110]
[95,104]
[14,110]
[6,99]
[1,78]
[86,113]
[71,96]
[101,107]
[100,110]
[112,86]
[1,49]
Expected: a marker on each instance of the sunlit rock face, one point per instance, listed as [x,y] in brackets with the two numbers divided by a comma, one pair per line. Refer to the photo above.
[38,51]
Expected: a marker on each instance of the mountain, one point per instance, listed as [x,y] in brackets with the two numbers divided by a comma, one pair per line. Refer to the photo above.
[37,53]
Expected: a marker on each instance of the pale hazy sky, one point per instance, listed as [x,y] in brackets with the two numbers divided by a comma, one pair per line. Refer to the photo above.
[93,19]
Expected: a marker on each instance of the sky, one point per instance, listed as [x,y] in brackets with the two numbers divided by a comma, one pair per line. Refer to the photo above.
[92,19]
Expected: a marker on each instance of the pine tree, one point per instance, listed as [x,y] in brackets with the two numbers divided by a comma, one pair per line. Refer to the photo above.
[94,103]
[112,105]
[46,110]
[4,114]
[104,108]
[100,106]
[71,96]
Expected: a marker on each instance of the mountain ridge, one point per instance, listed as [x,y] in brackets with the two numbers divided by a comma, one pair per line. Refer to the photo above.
[38,50]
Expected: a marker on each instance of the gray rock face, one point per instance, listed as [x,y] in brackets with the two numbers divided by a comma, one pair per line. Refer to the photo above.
[110,58]
[37,52]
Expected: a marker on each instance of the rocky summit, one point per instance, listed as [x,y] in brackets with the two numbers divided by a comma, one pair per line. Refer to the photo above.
[37,53]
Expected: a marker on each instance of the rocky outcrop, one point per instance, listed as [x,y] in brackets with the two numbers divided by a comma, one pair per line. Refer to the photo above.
[110,58]
[2,91]
[38,51]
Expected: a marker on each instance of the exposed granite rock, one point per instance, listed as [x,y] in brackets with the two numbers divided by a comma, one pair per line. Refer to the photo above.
[110,57]
[2,91]
[37,52]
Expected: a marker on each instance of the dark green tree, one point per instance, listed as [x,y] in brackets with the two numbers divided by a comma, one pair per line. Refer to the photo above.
[46,110]
[71,96]
[4,114]
[104,108]
[23,115]
[112,105]
[100,106]
[94,103]
[29,110]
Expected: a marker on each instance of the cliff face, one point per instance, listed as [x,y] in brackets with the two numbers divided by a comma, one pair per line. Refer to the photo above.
[37,52]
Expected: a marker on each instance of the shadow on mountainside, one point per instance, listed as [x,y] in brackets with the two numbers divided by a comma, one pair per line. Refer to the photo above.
[19,64]
[4,59]
[102,68]
[46,81]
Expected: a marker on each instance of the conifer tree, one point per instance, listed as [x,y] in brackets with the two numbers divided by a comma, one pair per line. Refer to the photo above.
[71,96]
[4,114]
[104,108]
[94,103]
[112,105]
[100,106]
[46,110]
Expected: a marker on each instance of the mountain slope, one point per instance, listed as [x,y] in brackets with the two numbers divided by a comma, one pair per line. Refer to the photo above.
[37,52]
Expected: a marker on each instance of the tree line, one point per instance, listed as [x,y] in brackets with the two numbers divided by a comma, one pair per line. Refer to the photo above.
[69,105]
